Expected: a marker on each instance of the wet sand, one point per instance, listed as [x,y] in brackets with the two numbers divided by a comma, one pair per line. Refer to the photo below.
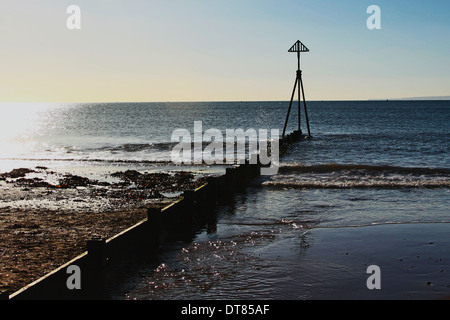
[318,263]
[332,263]
[47,217]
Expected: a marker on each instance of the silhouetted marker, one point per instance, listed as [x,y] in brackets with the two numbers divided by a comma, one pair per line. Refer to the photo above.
[298,47]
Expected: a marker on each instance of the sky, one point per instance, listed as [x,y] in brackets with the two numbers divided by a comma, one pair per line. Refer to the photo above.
[221,50]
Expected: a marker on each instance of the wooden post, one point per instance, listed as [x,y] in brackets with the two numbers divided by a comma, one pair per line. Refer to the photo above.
[189,199]
[212,191]
[4,295]
[189,205]
[95,273]
[230,178]
[255,164]
[153,228]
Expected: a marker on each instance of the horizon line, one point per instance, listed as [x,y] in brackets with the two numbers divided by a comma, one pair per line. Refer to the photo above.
[427,98]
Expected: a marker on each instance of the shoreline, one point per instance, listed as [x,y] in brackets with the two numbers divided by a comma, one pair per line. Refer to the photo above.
[46,218]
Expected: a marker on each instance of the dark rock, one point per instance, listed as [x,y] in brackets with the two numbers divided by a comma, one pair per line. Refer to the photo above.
[73,181]
[16,173]
[131,175]
[33,183]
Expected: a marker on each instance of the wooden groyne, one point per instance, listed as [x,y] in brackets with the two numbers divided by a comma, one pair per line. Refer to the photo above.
[84,276]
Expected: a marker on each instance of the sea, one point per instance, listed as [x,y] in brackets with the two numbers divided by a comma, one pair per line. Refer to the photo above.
[370,187]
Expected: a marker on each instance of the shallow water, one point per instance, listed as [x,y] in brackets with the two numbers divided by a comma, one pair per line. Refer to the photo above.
[307,244]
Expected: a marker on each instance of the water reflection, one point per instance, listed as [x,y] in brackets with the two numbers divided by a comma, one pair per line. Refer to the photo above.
[221,259]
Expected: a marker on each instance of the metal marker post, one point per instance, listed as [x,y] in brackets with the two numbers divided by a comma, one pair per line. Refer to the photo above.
[298,47]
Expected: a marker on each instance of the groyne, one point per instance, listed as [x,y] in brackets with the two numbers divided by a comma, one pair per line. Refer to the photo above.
[84,276]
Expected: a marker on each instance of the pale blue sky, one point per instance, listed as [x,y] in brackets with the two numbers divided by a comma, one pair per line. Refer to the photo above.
[203,50]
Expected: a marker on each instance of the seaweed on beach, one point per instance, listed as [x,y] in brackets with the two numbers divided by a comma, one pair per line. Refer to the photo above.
[33,183]
[132,187]
[18,177]
[73,181]
[16,173]
[164,182]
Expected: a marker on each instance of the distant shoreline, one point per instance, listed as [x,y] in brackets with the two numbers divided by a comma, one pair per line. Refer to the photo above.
[437,98]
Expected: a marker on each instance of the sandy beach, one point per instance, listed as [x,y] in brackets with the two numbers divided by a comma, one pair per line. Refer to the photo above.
[47,217]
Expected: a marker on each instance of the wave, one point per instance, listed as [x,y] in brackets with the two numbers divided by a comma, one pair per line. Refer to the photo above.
[342,176]
[136,147]
[334,167]
[88,160]
[353,185]
[101,162]
[161,148]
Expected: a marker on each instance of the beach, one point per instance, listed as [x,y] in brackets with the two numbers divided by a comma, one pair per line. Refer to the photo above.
[44,225]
